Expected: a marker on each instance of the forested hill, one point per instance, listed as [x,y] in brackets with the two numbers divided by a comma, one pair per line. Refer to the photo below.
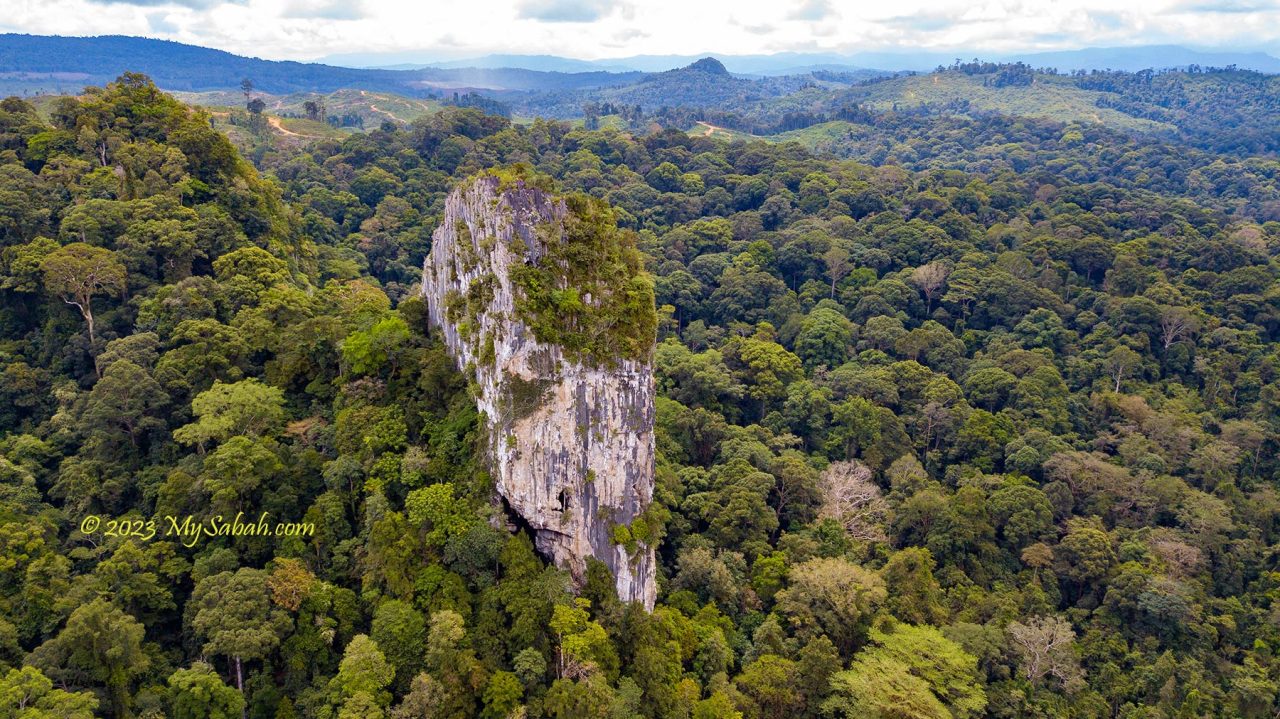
[175,66]
[1215,109]
[52,64]
[1224,110]
[935,443]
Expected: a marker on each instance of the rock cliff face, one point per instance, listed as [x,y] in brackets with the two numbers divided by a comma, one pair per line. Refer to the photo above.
[542,306]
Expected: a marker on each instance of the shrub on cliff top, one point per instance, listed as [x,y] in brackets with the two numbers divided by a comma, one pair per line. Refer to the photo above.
[588,293]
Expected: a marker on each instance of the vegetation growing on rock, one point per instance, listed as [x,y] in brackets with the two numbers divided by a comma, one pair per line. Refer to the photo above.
[588,293]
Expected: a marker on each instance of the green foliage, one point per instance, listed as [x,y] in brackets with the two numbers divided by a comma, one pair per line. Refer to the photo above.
[912,672]
[588,256]
[824,339]
[123,409]
[914,596]
[248,408]
[78,271]
[367,352]
[832,597]
[1050,348]
[199,693]
[437,510]
[363,675]
[26,693]
[232,613]
[501,696]
[102,642]
[400,631]
[585,649]
[236,472]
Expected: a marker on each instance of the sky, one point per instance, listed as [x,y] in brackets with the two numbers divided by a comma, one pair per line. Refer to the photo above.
[599,29]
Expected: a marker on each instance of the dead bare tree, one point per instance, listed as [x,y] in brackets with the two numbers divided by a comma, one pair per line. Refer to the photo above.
[850,497]
[930,278]
[1044,649]
[1175,324]
[839,264]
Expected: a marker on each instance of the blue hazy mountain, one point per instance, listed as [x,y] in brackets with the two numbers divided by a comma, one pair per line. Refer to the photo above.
[1156,57]
[777,64]
[67,61]
[30,64]
[419,61]
[790,63]
[37,63]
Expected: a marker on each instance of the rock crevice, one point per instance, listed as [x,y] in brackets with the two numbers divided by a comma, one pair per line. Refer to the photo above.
[570,435]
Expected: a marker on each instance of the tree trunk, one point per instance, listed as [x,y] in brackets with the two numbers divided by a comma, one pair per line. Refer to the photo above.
[119,700]
[240,685]
[86,311]
[82,304]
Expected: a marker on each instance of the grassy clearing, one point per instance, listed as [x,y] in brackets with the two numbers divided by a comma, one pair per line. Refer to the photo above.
[372,107]
[704,129]
[1048,97]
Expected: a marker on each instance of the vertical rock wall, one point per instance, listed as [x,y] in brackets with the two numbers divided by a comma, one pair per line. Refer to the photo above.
[571,441]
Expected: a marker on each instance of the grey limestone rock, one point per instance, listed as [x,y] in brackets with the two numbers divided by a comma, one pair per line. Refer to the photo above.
[571,443]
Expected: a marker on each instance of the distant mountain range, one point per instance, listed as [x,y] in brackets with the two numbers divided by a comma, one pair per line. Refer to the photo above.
[541,63]
[31,64]
[42,61]
[1129,59]
[39,64]
[767,92]
[1133,59]
[819,96]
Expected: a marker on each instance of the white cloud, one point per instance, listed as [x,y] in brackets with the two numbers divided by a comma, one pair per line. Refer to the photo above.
[193,4]
[309,29]
[1229,6]
[566,10]
[325,9]
[159,23]
[812,10]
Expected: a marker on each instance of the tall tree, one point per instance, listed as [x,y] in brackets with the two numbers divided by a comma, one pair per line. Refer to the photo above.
[27,693]
[850,497]
[1045,648]
[232,613]
[77,272]
[838,263]
[930,278]
[100,644]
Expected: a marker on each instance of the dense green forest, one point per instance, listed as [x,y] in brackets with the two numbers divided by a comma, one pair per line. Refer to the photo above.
[1222,110]
[938,436]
